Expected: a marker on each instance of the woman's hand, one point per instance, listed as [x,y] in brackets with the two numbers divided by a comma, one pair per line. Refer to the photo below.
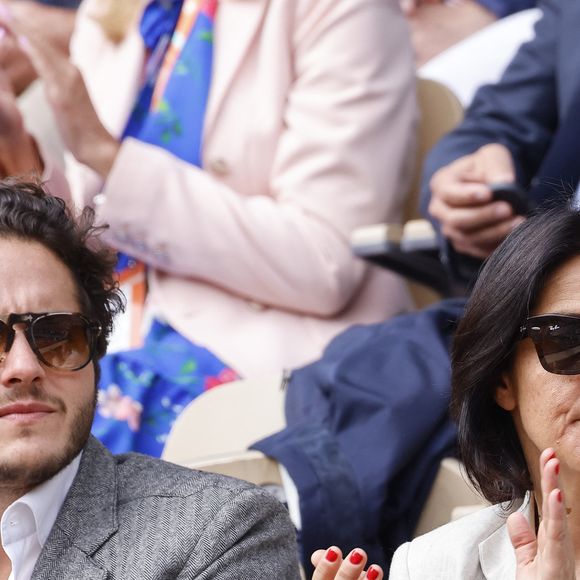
[82,131]
[550,555]
[329,565]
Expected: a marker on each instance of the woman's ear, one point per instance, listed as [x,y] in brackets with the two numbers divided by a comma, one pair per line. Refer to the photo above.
[505,393]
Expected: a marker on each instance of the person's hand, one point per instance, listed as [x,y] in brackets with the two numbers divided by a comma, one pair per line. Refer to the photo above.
[18,152]
[82,132]
[52,23]
[435,26]
[329,565]
[550,555]
[409,7]
[461,201]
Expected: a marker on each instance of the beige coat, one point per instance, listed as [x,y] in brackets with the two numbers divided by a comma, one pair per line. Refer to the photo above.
[476,547]
[308,134]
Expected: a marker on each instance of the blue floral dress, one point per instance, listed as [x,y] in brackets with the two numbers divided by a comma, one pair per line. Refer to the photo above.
[142,391]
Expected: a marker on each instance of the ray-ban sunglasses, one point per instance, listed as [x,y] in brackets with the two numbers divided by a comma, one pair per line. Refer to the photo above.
[557,341]
[61,340]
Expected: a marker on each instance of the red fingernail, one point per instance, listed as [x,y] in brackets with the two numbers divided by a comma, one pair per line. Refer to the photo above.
[557,469]
[559,496]
[331,555]
[356,558]
[552,455]
[372,573]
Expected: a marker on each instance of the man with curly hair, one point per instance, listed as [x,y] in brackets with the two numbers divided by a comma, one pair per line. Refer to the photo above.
[70,509]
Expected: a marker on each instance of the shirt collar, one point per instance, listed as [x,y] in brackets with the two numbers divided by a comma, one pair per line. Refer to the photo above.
[45,500]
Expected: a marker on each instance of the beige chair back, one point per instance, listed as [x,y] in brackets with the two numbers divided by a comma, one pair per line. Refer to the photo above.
[451,496]
[440,112]
[226,420]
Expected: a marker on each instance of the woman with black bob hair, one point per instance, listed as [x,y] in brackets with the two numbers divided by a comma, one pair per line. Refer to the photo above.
[516,399]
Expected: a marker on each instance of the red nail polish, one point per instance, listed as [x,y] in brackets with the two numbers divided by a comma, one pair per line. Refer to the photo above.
[552,455]
[356,558]
[557,469]
[559,496]
[331,555]
[372,573]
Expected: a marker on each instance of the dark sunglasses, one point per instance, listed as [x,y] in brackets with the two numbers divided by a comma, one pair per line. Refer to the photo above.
[61,340]
[557,341]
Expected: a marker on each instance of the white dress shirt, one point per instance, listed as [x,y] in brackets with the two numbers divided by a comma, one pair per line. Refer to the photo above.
[26,523]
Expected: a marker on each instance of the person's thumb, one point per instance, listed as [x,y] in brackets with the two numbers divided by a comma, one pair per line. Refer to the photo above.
[523,539]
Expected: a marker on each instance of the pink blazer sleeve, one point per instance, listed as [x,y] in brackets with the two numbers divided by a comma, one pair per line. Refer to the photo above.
[339,162]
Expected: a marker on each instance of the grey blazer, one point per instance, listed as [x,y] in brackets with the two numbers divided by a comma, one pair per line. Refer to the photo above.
[132,517]
[475,547]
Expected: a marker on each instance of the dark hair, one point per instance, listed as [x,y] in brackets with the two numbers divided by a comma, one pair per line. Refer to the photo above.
[505,293]
[28,213]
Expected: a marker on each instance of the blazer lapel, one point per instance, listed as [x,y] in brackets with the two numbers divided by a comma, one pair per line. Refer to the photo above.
[237,24]
[496,554]
[87,519]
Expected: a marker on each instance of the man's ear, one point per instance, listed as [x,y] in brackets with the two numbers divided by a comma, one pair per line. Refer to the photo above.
[505,393]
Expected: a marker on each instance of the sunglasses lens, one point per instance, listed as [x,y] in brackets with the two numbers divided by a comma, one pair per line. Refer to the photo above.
[560,347]
[62,341]
[4,337]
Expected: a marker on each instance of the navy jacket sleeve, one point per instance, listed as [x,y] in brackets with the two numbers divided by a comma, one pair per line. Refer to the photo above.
[61,3]
[520,112]
[503,8]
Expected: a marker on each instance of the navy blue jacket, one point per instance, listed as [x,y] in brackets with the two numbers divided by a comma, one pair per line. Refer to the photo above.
[503,8]
[61,3]
[367,427]
[523,110]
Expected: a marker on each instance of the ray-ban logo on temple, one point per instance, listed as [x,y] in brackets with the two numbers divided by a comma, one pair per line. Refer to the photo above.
[61,340]
[557,341]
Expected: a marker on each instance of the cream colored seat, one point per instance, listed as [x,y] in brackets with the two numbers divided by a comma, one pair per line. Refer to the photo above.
[215,430]
[440,112]
[224,421]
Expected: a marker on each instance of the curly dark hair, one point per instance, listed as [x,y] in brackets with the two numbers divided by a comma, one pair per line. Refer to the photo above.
[506,291]
[28,212]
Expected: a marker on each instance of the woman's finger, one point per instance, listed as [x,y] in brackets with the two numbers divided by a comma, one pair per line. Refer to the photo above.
[557,552]
[523,540]
[316,557]
[327,564]
[550,469]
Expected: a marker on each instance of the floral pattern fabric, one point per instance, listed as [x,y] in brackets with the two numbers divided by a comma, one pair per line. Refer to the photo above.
[142,391]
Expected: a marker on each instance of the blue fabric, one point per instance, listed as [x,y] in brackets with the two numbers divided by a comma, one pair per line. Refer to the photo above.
[61,3]
[503,8]
[159,19]
[177,123]
[142,391]
[523,111]
[367,426]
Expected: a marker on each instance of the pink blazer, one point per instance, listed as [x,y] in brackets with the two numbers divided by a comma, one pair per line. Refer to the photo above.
[309,133]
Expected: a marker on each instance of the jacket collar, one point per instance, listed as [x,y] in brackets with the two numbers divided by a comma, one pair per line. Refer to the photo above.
[237,24]
[87,519]
[496,554]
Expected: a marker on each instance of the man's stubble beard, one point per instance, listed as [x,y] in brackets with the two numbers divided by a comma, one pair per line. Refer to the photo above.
[22,476]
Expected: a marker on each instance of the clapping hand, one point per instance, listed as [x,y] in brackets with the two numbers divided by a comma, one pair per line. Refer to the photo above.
[330,565]
[82,132]
[550,554]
